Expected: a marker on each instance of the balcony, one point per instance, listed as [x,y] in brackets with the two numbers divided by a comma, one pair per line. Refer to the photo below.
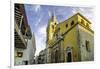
[20,29]
[20,41]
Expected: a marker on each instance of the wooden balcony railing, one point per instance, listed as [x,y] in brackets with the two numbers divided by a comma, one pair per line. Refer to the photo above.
[20,41]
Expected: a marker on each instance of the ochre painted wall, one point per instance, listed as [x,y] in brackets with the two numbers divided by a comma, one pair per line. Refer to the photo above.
[70,35]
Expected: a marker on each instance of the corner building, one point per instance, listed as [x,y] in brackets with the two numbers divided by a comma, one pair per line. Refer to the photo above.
[70,41]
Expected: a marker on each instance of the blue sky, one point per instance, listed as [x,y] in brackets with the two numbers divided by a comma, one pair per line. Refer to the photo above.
[38,16]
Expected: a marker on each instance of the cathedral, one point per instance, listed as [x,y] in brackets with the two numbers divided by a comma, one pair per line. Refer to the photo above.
[71,40]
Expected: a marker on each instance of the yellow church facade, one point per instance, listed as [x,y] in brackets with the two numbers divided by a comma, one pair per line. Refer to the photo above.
[70,41]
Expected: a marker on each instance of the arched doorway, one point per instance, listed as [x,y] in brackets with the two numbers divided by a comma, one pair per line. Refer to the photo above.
[69,54]
[69,57]
[56,56]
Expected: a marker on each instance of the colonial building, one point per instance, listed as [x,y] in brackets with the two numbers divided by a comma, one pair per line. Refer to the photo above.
[24,41]
[70,41]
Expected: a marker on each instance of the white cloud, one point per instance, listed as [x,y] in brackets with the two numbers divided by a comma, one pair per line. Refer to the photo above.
[42,30]
[40,39]
[49,13]
[36,8]
[87,12]
[38,21]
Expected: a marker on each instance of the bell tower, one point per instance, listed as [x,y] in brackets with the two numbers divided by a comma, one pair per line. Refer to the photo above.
[51,27]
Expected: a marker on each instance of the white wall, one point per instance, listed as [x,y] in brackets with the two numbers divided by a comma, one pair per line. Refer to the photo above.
[28,53]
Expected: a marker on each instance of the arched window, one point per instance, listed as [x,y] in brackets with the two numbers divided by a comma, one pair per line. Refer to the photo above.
[56,56]
[52,26]
[55,23]
[66,25]
[82,21]
[87,25]
[72,23]
[87,44]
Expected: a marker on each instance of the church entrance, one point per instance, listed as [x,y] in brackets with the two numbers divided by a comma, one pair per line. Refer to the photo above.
[69,57]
